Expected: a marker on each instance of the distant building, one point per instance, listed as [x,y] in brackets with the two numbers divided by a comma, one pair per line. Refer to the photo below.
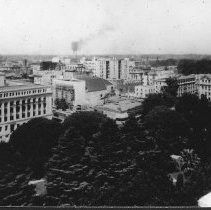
[96,89]
[120,109]
[80,89]
[20,103]
[203,85]
[112,68]
[187,84]
[73,91]
[46,77]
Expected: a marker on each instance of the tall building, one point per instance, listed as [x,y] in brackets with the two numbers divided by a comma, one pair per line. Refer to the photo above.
[112,68]
[20,103]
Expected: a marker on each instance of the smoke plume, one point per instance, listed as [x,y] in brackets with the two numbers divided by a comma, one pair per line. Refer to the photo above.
[77,45]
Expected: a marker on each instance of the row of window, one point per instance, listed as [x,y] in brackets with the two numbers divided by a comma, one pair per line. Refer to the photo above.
[205,87]
[186,80]
[12,127]
[206,80]
[23,115]
[23,106]
[22,93]
[27,101]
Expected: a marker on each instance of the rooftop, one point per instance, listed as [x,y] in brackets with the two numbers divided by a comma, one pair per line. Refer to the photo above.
[20,86]
[94,83]
[122,105]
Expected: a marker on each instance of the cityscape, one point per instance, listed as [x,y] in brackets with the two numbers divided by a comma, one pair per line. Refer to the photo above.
[117,124]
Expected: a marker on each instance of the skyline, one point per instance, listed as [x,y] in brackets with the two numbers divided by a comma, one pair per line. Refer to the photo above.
[105,27]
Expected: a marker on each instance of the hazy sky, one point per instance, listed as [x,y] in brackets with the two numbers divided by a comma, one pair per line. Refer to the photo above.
[105,26]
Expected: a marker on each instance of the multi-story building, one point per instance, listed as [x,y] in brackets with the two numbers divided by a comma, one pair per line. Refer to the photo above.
[141,91]
[20,103]
[158,84]
[73,91]
[112,68]
[203,85]
[187,84]
[46,77]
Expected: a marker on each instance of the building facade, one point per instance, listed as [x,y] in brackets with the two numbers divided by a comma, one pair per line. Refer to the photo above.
[112,68]
[187,84]
[20,103]
[203,85]
[73,91]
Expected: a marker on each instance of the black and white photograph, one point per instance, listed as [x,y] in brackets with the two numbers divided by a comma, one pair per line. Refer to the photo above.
[105,103]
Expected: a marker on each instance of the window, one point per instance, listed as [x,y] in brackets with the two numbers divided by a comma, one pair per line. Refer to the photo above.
[12,127]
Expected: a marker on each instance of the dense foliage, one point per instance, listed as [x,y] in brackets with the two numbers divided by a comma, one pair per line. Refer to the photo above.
[34,141]
[187,66]
[61,104]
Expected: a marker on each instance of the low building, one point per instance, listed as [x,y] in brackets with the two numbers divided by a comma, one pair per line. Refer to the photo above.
[80,89]
[46,77]
[20,103]
[96,89]
[142,91]
[120,110]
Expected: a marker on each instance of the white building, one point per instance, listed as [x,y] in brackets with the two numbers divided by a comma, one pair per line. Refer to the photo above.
[112,68]
[46,77]
[203,85]
[187,84]
[35,68]
[96,89]
[20,103]
[81,89]
[73,91]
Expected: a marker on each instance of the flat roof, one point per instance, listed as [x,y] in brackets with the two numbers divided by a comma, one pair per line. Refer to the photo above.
[122,106]
[21,87]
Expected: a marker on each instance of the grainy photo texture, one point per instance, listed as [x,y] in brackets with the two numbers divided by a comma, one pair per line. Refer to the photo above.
[105,103]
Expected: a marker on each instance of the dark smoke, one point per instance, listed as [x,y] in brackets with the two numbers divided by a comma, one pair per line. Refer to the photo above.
[76,45]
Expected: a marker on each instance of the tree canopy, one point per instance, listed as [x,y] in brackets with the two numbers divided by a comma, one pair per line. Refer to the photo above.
[188,66]
[34,140]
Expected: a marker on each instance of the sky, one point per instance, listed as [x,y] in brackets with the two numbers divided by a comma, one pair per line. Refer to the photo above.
[105,26]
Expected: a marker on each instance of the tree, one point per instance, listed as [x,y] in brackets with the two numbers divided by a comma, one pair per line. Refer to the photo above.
[151,101]
[169,92]
[88,123]
[190,182]
[61,104]
[34,141]
[197,112]
[94,165]
[167,127]
[188,66]
[80,170]
[14,177]
[147,184]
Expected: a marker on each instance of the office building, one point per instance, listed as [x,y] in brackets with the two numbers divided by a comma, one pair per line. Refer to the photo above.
[20,103]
